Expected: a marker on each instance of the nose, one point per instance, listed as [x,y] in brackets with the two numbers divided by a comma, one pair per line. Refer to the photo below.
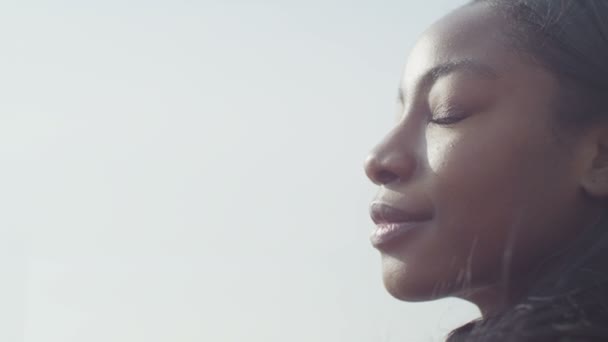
[390,161]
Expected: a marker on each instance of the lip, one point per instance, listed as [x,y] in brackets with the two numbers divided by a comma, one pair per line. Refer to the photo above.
[382,213]
[392,224]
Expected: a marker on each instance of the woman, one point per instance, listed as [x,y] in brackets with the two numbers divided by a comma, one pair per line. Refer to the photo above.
[494,179]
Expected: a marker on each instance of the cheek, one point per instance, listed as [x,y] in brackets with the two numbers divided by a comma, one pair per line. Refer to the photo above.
[484,182]
[481,179]
[440,149]
[469,164]
[481,162]
[475,182]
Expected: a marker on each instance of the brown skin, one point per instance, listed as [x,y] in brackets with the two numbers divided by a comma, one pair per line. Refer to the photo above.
[502,190]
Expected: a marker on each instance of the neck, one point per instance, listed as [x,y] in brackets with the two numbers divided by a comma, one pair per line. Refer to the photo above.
[496,298]
[504,294]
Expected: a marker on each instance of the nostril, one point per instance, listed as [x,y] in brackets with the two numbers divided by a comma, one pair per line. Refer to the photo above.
[385,177]
[377,172]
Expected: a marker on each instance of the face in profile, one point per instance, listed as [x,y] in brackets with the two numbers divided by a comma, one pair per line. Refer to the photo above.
[475,188]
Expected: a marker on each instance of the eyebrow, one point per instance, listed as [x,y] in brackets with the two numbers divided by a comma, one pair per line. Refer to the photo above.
[442,70]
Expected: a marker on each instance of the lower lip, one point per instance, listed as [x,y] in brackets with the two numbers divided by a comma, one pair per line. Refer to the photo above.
[387,233]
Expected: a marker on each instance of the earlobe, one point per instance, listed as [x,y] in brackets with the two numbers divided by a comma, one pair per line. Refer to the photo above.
[595,179]
[596,186]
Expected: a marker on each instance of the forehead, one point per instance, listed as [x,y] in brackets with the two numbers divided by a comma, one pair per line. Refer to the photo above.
[472,32]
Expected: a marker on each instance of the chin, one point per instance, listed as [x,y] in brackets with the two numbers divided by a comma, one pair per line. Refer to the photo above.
[409,292]
[406,285]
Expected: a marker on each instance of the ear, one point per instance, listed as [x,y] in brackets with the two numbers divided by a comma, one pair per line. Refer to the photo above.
[595,177]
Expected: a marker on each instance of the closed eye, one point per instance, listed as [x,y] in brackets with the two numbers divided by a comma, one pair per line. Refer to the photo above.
[447,119]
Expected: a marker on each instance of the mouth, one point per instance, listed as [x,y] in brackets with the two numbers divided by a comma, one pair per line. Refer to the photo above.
[393,224]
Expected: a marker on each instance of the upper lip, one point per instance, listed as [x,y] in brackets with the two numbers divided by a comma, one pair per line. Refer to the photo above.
[384,213]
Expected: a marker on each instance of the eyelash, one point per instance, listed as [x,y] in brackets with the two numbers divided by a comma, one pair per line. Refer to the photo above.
[447,119]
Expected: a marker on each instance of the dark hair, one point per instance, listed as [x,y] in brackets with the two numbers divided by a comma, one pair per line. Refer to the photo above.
[569,302]
[569,38]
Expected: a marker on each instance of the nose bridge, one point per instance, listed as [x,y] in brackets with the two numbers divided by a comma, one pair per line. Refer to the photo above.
[395,157]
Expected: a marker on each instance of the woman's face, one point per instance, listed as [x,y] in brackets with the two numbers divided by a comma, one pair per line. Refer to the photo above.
[474,163]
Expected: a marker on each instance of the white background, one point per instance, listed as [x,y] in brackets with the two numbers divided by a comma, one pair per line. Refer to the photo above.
[192,170]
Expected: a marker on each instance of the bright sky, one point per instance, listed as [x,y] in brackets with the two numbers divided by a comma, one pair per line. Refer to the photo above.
[179,170]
